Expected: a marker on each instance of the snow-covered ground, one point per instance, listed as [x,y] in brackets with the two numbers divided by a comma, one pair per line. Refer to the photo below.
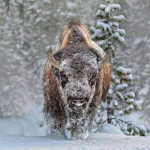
[29,133]
[96,141]
[30,124]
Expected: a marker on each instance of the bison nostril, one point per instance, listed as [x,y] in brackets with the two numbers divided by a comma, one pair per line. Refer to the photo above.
[86,99]
[78,90]
[84,105]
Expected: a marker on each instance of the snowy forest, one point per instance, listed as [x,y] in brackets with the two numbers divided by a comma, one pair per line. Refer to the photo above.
[29,28]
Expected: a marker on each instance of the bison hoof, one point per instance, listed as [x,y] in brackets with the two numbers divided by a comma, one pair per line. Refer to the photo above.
[78,134]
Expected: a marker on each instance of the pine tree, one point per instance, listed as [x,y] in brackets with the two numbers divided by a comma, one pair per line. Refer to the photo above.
[12,77]
[120,99]
[16,80]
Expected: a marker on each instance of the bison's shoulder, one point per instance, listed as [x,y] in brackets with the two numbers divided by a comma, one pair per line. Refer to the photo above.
[103,80]
[53,106]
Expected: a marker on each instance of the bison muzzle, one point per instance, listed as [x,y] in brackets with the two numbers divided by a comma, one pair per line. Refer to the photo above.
[76,79]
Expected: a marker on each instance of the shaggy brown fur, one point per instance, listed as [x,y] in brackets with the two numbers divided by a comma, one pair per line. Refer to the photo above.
[53,106]
[74,39]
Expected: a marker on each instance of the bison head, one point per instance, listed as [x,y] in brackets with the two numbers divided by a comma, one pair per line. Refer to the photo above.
[75,64]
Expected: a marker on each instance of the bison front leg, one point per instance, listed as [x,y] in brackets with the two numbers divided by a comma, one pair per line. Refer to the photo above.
[77,129]
[79,124]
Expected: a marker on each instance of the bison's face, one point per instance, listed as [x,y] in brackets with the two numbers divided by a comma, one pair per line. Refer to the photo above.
[77,76]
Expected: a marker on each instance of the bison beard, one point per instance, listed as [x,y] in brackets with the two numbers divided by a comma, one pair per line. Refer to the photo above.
[76,78]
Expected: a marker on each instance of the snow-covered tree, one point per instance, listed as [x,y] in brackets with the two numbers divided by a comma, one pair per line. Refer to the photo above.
[18,84]
[120,99]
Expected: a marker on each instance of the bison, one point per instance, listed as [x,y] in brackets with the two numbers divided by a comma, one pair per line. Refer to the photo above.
[76,79]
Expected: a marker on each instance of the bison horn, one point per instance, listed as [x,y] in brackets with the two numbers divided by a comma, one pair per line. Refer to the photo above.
[54,61]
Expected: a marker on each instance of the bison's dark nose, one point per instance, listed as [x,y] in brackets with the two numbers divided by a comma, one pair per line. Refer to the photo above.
[78,99]
[77,104]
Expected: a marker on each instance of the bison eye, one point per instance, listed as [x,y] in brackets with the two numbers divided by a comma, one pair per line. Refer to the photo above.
[55,71]
[64,79]
[92,79]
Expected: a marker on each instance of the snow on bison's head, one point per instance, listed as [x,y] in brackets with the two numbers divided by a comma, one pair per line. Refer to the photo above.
[77,75]
[76,78]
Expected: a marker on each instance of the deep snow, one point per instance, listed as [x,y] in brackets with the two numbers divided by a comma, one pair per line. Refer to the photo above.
[28,133]
[96,141]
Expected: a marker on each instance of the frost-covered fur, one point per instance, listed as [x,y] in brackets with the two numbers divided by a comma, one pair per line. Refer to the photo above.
[74,90]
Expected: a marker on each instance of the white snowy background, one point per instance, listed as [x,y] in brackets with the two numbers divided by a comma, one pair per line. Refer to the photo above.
[27,29]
